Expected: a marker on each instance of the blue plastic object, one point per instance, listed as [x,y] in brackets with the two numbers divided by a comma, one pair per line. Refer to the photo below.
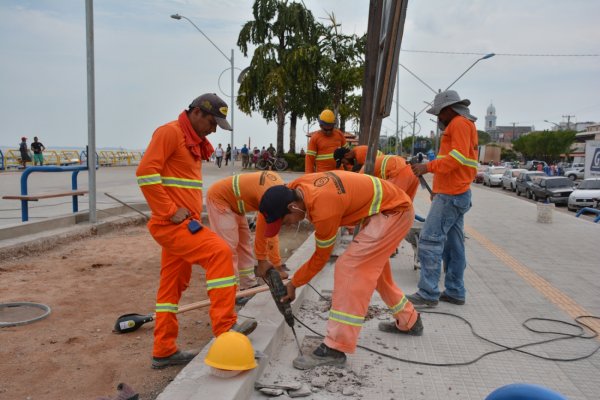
[194,226]
[524,391]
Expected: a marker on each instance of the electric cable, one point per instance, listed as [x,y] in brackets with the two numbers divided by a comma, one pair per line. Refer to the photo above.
[500,54]
[564,336]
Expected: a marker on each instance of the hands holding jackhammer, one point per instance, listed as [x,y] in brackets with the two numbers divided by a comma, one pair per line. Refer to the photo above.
[291,293]
[263,266]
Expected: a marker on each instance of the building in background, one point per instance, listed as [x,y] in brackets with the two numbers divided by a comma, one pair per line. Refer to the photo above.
[503,134]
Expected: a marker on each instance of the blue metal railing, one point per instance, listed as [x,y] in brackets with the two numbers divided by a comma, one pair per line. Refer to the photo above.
[49,168]
[2,167]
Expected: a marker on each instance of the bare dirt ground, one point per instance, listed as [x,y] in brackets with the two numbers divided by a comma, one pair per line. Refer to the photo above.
[89,283]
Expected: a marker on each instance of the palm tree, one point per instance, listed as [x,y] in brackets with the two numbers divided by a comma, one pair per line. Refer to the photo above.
[280,31]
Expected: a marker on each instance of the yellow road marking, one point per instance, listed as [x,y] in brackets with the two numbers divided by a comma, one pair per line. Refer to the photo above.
[553,294]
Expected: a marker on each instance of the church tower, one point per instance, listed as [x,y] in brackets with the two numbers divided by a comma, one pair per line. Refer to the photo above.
[490,118]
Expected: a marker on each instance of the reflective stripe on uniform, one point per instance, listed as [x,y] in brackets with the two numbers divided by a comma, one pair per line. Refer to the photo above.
[400,306]
[235,182]
[345,318]
[440,156]
[326,243]
[311,153]
[328,156]
[384,166]
[167,307]
[247,271]
[153,179]
[181,182]
[462,159]
[377,196]
[220,283]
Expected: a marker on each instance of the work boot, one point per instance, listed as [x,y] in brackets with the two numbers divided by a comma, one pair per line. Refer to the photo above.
[415,330]
[177,358]
[322,355]
[453,300]
[419,301]
[246,327]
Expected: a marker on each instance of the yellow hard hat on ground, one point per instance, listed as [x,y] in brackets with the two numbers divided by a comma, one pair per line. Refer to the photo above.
[327,118]
[231,351]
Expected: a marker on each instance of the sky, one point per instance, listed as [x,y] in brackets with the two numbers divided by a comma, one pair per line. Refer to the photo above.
[148,66]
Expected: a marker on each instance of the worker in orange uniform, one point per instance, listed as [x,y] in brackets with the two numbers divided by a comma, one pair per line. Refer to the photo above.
[340,198]
[170,177]
[442,235]
[322,144]
[352,159]
[227,202]
[394,169]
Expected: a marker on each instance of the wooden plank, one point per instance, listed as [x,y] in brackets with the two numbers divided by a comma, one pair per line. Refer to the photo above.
[32,197]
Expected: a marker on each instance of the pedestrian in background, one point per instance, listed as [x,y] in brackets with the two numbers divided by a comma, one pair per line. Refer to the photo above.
[38,151]
[24,152]
[170,177]
[442,235]
[219,155]
[245,157]
[227,154]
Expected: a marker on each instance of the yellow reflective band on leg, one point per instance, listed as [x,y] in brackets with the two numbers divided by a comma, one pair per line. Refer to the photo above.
[345,318]
[400,306]
[220,283]
[247,271]
[384,166]
[167,307]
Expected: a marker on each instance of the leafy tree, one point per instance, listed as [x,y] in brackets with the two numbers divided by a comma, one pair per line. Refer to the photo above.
[546,146]
[483,137]
[279,31]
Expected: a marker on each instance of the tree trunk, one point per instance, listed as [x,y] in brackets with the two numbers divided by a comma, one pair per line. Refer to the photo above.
[280,126]
[293,123]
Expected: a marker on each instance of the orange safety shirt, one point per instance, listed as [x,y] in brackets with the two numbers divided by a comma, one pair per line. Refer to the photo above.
[169,175]
[341,198]
[241,194]
[320,151]
[456,164]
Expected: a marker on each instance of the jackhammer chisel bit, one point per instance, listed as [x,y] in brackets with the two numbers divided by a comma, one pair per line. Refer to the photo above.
[278,291]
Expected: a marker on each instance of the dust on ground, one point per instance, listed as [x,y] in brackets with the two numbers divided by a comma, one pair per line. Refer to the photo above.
[89,283]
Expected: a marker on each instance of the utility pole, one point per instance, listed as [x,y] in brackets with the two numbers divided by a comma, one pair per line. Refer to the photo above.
[568,117]
[513,136]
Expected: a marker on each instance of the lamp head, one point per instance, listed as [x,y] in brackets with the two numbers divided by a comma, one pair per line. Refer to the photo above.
[176,16]
[490,55]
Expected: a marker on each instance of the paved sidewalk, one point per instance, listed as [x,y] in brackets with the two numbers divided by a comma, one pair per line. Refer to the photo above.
[518,269]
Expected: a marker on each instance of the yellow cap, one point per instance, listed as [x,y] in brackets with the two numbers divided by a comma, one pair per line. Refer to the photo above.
[231,351]
[327,117]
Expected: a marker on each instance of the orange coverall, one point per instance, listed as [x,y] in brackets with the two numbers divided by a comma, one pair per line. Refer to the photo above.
[341,198]
[395,169]
[169,178]
[455,166]
[320,150]
[227,201]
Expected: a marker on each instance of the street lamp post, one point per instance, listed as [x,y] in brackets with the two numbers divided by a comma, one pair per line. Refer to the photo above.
[230,59]
[558,127]
[485,57]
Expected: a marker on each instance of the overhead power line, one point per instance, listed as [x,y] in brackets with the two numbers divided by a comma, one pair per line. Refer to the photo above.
[500,54]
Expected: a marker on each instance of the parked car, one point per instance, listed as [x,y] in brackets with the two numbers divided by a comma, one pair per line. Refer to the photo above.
[523,182]
[574,173]
[532,165]
[553,189]
[509,179]
[583,196]
[493,176]
[479,176]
